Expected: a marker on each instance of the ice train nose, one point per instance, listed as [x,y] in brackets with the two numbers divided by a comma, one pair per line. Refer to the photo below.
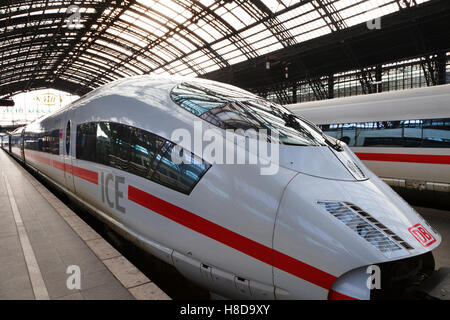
[331,227]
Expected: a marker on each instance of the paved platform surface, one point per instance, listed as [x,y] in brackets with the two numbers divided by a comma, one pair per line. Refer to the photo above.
[41,240]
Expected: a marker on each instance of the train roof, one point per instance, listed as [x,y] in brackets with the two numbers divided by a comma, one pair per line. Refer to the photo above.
[143,102]
[146,88]
[421,103]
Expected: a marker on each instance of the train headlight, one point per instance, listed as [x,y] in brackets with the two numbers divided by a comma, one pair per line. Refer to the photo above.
[366,227]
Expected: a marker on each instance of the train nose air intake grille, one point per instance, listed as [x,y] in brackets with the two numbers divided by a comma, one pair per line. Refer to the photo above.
[366,226]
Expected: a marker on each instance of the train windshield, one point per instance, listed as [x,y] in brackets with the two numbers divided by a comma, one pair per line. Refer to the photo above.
[228,107]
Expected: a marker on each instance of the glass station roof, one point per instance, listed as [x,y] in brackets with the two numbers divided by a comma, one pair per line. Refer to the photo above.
[43,41]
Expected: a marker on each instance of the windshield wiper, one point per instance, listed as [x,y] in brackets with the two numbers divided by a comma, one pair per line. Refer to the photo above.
[336,145]
[291,121]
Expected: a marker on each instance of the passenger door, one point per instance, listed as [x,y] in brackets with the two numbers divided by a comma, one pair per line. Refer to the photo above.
[68,153]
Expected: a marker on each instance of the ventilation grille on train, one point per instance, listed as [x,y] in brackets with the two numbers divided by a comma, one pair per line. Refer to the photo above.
[366,226]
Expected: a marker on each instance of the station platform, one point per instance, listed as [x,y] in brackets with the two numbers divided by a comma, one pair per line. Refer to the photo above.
[47,252]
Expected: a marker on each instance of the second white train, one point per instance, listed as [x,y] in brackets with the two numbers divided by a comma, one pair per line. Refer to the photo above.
[402,136]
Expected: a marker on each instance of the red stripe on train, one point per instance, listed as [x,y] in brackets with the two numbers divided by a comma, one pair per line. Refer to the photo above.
[398,157]
[59,165]
[38,158]
[85,174]
[232,239]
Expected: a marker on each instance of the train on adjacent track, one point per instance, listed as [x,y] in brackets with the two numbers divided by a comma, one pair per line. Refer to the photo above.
[310,230]
[402,136]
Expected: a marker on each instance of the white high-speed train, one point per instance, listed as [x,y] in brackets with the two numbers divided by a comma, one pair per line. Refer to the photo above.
[308,231]
[402,136]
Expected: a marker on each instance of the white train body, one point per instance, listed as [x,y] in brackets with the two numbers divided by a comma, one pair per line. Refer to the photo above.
[307,232]
[414,155]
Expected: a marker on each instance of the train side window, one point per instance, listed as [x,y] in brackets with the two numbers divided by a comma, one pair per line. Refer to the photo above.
[40,142]
[30,141]
[54,141]
[181,174]
[103,143]
[436,133]
[379,134]
[120,140]
[432,133]
[26,141]
[113,145]
[68,138]
[47,142]
[412,133]
[86,141]
[143,148]
[36,141]
[348,134]
[140,153]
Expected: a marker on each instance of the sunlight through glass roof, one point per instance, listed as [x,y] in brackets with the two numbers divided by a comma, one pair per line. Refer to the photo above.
[167,36]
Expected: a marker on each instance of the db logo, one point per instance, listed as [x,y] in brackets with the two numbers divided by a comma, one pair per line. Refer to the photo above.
[422,235]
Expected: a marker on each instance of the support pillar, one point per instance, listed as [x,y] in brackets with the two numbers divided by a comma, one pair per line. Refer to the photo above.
[330,86]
